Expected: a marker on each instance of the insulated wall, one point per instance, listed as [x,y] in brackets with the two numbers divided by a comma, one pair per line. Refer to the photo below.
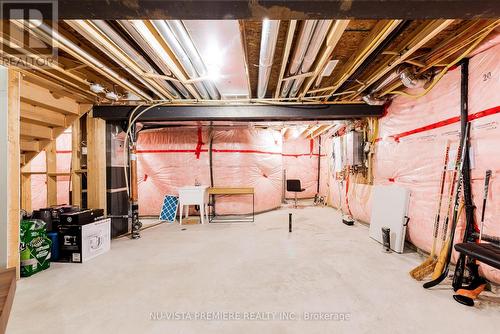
[39,181]
[300,160]
[411,145]
[173,157]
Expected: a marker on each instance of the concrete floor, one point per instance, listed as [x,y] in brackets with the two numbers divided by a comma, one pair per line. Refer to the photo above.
[323,266]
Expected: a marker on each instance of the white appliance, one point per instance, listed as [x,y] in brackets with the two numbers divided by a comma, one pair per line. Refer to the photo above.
[389,209]
[96,239]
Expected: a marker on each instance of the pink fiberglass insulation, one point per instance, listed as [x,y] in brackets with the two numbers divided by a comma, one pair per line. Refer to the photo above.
[38,182]
[242,157]
[300,160]
[63,165]
[411,145]
[63,157]
[169,159]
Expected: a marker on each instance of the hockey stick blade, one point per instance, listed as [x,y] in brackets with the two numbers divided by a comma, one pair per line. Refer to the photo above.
[438,280]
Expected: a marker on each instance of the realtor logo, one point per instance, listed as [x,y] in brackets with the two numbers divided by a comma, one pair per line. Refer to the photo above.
[27,30]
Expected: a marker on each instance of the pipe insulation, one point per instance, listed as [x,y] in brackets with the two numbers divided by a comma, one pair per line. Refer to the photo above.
[269,37]
[298,54]
[315,44]
[49,34]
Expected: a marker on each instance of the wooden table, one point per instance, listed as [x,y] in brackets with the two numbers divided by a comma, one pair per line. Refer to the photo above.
[226,191]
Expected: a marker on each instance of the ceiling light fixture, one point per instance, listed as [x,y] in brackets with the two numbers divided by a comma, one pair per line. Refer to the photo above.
[112,96]
[96,88]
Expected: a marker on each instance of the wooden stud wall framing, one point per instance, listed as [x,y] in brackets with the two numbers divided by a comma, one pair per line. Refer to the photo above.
[51,168]
[76,153]
[14,169]
[96,162]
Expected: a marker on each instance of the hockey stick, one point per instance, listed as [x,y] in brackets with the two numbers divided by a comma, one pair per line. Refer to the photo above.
[469,236]
[485,197]
[443,263]
[426,267]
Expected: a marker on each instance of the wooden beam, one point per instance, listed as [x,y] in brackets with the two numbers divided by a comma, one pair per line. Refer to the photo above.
[377,35]
[26,189]
[76,155]
[334,35]
[42,116]
[14,162]
[30,146]
[96,163]
[30,130]
[286,54]
[405,49]
[83,109]
[51,163]
[42,97]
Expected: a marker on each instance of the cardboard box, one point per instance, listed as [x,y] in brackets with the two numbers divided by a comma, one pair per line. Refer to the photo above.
[191,221]
[80,243]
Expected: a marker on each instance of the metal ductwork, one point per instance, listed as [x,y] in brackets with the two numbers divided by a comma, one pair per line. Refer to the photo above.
[410,80]
[143,64]
[153,55]
[181,55]
[315,44]
[299,53]
[268,40]
[180,32]
[49,34]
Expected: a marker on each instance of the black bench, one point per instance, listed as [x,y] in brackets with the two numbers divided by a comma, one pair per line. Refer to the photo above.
[484,252]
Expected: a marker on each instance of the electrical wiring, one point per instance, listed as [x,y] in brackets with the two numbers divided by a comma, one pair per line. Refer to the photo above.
[443,71]
[131,122]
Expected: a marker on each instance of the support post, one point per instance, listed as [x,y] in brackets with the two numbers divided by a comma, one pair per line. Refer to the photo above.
[51,169]
[96,163]
[76,175]
[10,168]
[26,188]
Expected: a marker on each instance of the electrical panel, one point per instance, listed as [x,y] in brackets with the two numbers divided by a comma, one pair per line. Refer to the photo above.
[353,149]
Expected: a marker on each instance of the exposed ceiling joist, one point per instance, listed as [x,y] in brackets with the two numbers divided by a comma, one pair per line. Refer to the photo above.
[408,47]
[378,34]
[332,39]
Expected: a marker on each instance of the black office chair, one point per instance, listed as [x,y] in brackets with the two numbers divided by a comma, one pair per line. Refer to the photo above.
[294,187]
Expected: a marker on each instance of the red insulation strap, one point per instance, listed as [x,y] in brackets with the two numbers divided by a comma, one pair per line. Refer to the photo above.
[311,146]
[445,122]
[200,144]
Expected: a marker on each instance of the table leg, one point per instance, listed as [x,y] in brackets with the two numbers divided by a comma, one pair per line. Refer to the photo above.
[202,213]
[180,214]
